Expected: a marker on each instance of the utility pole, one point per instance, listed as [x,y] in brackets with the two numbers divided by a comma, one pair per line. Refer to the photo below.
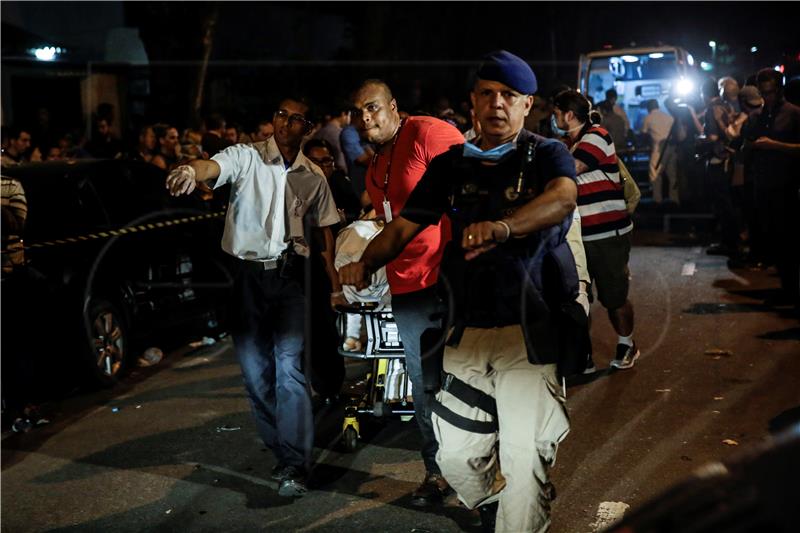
[208,45]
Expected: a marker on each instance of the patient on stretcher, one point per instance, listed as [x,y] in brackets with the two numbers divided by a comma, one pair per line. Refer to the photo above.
[350,245]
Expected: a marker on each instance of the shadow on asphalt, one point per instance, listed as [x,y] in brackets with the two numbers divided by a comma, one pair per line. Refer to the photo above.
[583,379]
[237,466]
[713,308]
[791,334]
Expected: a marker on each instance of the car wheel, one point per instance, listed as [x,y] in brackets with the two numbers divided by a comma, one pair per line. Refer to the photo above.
[108,342]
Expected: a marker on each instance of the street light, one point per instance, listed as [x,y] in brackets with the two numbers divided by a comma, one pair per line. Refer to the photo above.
[47,53]
[713,45]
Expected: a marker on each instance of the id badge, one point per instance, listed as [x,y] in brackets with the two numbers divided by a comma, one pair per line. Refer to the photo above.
[387,210]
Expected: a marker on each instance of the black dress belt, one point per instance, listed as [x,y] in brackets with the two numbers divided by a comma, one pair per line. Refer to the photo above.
[269,264]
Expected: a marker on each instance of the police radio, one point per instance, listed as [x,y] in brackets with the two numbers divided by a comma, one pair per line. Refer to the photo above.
[526,159]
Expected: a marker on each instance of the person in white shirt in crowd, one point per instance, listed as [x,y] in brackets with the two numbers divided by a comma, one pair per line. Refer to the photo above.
[277,196]
[656,127]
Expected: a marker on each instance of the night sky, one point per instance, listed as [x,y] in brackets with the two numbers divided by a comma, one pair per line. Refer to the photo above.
[261,50]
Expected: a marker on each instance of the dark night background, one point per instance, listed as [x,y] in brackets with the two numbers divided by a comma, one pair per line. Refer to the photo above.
[424,50]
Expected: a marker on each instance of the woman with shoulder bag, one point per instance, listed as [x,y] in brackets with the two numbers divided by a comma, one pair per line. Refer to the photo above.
[605,220]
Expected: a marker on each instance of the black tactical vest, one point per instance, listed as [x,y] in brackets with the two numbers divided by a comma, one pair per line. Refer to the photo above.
[525,280]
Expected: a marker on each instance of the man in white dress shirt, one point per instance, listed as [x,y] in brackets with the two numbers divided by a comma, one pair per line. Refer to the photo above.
[277,194]
[657,126]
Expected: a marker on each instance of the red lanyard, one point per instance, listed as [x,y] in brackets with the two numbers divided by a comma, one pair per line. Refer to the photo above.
[388,164]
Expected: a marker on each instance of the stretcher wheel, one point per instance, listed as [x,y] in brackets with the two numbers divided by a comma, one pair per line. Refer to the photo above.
[350,439]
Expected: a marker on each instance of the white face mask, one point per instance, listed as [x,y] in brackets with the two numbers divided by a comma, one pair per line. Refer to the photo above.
[554,126]
[495,154]
[559,131]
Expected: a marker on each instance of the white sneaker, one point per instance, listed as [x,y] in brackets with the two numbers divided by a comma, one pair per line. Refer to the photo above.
[626,356]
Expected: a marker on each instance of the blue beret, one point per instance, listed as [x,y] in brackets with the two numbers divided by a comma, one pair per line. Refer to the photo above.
[509,70]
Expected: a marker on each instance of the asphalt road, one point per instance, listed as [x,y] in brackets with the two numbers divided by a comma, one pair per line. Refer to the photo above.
[174,448]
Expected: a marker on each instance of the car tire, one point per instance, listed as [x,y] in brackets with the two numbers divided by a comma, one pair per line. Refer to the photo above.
[106,343]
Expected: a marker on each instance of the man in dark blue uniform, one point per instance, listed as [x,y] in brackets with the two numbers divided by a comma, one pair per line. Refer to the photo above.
[511,196]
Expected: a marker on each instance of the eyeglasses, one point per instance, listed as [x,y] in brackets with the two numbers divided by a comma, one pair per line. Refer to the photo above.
[284,115]
[324,162]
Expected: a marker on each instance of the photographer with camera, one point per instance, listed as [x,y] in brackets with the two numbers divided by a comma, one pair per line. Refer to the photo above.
[719,170]
[276,193]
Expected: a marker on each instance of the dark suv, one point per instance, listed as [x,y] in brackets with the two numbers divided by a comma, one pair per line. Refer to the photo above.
[112,265]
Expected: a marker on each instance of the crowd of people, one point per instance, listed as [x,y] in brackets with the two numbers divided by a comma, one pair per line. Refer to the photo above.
[491,234]
[160,143]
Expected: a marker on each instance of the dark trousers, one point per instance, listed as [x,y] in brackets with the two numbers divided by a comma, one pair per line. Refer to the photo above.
[327,370]
[268,328]
[777,211]
[419,322]
[718,181]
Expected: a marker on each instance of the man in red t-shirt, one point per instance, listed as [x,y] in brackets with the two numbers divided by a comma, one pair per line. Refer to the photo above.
[403,150]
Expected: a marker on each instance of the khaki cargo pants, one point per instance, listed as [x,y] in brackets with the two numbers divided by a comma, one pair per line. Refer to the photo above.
[510,465]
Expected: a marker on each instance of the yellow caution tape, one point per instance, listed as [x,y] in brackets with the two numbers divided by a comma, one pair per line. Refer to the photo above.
[120,231]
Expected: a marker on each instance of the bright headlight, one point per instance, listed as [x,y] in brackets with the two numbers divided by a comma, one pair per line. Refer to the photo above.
[684,86]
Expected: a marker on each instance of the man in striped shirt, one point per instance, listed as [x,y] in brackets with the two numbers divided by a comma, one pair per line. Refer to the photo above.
[605,222]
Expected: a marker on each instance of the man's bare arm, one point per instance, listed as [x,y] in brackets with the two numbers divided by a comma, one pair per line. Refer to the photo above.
[365,199]
[326,242]
[766,143]
[383,248]
[558,199]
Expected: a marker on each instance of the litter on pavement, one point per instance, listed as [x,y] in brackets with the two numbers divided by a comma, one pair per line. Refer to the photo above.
[718,352]
[205,341]
[151,356]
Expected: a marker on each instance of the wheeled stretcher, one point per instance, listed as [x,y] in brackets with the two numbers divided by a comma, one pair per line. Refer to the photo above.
[387,388]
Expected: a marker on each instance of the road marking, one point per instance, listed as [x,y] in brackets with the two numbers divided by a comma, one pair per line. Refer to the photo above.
[667,320]
[740,279]
[688,269]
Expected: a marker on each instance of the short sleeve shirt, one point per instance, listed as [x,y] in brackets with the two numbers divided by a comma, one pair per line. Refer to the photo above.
[431,197]
[419,140]
[657,125]
[270,204]
[600,197]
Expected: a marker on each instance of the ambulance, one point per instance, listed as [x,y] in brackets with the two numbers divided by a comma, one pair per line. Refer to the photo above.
[638,75]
